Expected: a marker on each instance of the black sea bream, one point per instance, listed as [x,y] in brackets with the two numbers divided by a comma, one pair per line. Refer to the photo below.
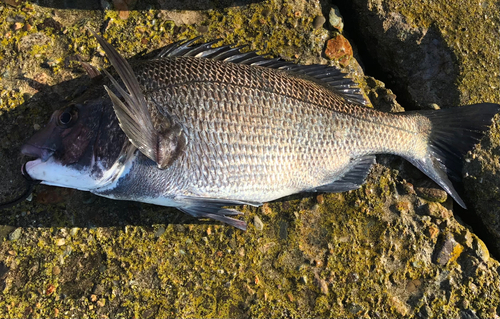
[200,128]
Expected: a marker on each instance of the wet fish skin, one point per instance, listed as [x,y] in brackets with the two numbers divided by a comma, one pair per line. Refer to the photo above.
[213,133]
[247,125]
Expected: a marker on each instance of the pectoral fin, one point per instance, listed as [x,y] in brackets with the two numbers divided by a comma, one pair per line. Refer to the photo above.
[162,144]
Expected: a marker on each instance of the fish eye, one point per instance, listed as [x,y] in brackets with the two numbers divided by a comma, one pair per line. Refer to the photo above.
[65,118]
[68,116]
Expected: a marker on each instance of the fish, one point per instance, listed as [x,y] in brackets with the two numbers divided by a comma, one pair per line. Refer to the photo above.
[202,127]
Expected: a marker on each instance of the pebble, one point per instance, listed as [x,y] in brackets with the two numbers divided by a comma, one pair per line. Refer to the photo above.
[469,314]
[339,48]
[241,252]
[122,7]
[323,286]
[160,231]
[320,199]
[50,289]
[318,22]
[202,29]
[266,209]
[408,188]
[413,286]
[449,251]
[352,277]
[432,194]
[481,250]
[436,210]
[399,306]
[56,270]
[283,232]
[259,225]
[335,19]
[432,231]
[18,25]
[73,231]
[15,234]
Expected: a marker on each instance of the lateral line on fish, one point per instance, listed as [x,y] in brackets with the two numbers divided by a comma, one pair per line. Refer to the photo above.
[179,84]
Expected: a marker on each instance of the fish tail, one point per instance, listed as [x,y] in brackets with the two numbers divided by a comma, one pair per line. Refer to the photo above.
[452,133]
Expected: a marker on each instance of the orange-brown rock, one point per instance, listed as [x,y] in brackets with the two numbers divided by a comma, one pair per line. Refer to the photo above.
[339,48]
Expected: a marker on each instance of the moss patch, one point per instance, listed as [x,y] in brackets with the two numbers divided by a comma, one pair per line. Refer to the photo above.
[362,253]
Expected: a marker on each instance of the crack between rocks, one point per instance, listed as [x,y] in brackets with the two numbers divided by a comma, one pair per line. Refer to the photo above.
[372,68]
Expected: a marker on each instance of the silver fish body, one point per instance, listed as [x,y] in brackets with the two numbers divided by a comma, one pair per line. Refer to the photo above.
[258,134]
[206,132]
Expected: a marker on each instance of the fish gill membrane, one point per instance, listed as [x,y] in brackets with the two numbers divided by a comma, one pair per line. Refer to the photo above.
[202,127]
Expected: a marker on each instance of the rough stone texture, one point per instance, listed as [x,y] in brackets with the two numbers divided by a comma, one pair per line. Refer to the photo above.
[482,182]
[339,48]
[429,47]
[380,251]
[443,53]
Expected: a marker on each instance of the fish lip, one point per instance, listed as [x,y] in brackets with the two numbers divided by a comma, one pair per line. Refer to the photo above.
[27,176]
[43,153]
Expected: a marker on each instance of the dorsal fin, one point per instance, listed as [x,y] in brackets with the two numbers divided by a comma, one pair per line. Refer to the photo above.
[333,77]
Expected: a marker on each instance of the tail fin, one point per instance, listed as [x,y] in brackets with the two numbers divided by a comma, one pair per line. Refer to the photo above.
[454,132]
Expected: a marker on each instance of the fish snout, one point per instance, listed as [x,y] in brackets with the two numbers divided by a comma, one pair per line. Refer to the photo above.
[35,151]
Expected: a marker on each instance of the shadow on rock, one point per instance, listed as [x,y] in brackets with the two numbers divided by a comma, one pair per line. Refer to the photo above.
[415,62]
[139,5]
[483,186]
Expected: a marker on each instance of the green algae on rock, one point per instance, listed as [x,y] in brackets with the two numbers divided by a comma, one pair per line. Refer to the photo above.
[440,52]
[363,253]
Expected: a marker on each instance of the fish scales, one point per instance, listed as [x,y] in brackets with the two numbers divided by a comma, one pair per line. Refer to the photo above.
[268,127]
[201,133]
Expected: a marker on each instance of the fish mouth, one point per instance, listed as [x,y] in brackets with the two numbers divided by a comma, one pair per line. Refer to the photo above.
[27,176]
[42,153]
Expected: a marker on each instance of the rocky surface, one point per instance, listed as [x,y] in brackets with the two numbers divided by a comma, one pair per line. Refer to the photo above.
[435,52]
[445,54]
[393,248]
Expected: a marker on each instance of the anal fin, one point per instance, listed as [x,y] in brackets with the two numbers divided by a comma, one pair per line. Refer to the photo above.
[353,179]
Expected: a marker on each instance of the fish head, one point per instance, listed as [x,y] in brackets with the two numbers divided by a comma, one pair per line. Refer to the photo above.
[75,149]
